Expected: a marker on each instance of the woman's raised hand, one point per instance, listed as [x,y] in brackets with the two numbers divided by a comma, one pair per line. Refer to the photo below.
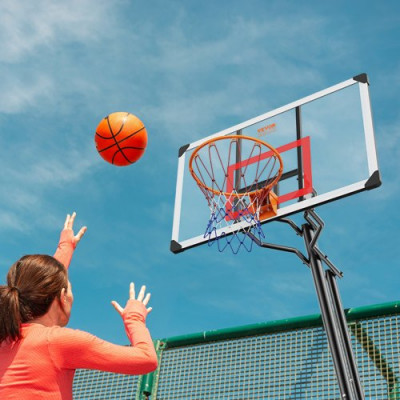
[69,224]
[142,297]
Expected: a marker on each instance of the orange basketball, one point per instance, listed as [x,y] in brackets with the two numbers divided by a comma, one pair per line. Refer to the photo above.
[121,138]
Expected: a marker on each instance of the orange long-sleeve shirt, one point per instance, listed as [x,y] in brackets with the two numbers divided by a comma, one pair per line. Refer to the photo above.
[42,364]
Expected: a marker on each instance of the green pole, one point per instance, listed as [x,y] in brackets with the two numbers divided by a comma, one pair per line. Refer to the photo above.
[394,394]
[147,381]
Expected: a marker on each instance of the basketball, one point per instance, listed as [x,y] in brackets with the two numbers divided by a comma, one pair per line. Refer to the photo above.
[121,138]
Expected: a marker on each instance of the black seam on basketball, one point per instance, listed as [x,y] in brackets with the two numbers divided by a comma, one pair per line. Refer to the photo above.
[121,148]
[120,129]
[109,147]
[106,148]
[131,134]
[132,147]
[104,137]
[126,158]
[116,142]
[112,161]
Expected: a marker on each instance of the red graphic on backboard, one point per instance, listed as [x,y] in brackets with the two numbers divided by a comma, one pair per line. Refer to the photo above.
[304,145]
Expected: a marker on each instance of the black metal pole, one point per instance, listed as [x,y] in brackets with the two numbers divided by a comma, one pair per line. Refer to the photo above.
[332,313]
[328,316]
[332,286]
[299,134]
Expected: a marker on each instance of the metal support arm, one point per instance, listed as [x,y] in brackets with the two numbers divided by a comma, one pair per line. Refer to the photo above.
[279,247]
[329,300]
[317,226]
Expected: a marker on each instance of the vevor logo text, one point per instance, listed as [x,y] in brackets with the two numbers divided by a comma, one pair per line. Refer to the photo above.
[266,129]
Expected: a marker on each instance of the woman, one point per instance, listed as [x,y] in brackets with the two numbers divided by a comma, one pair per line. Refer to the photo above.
[38,355]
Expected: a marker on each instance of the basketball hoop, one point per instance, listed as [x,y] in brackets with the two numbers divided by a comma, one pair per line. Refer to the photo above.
[236,174]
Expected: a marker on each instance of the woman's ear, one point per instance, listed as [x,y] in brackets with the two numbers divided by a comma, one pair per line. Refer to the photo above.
[63,296]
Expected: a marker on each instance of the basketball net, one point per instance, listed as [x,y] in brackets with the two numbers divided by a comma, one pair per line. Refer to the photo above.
[236,174]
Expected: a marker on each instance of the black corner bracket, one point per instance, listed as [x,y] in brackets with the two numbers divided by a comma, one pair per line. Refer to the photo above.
[363,78]
[175,247]
[374,181]
[183,149]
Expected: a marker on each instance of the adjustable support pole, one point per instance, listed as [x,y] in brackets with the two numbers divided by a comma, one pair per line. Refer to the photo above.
[348,351]
[334,323]
[332,313]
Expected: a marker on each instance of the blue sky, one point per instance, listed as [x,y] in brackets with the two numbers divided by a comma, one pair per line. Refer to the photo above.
[187,69]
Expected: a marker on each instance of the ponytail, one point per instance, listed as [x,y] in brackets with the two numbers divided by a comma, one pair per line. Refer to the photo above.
[10,320]
[33,282]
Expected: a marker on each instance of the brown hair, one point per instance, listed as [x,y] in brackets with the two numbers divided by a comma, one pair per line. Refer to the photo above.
[33,282]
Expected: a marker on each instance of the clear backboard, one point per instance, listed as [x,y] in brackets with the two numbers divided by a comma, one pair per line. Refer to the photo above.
[327,148]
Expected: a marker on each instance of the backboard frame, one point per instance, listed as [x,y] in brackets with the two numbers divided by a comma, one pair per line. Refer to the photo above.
[372,181]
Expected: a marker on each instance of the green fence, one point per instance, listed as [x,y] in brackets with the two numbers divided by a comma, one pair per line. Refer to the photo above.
[277,360]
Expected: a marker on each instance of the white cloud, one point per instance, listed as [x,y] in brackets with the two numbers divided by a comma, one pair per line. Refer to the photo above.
[56,172]
[19,93]
[10,221]
[237,75]
[27,27]
[37,38]
[28,186]
[46,167]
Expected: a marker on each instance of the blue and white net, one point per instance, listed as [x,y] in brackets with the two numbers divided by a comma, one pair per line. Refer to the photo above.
[236,175]
[230,222]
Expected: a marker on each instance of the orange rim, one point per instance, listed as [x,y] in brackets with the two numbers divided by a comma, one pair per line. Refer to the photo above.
[258,192]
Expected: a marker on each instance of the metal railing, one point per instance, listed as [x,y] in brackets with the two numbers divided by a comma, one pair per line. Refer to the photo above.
[276,360]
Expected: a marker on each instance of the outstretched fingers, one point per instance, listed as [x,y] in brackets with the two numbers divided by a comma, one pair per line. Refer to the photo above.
[69,224]
[132,291]
[66,223]
[146,299]
[119,309]
[141,294]
[142,297]
[69,221]
[80,234]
